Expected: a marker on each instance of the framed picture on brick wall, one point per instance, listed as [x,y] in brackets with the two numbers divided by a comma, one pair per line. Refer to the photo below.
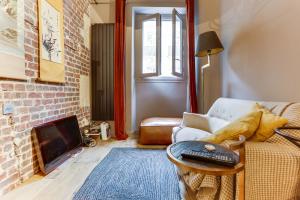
[12,39]
[51,40]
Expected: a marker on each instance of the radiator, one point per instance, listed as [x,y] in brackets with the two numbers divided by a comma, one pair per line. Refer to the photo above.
[102,54]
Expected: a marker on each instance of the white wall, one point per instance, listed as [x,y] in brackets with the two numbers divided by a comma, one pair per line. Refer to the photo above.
[261,40]
[103,13]
[160,99]
[208,19]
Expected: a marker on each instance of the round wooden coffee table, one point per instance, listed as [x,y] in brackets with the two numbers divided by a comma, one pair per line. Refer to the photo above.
[174,154]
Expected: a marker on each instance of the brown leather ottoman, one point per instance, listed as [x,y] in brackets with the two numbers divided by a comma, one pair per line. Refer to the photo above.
[157,130]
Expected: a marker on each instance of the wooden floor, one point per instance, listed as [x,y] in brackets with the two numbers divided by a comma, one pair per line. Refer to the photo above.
[68,178]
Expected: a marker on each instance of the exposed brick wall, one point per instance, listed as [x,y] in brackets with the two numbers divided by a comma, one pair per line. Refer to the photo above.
[36,103]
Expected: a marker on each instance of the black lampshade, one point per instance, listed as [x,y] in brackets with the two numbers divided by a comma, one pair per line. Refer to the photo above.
[208,43]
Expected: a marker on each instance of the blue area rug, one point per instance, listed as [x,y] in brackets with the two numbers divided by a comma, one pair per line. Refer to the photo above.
[132,174]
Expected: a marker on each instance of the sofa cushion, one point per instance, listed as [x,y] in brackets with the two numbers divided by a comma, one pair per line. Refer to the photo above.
[245,126]
[203,122]
[268,123]
[187,134]
[230,109]
[275,107]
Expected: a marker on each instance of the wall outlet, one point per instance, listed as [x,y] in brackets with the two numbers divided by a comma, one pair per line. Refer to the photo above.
[8,108]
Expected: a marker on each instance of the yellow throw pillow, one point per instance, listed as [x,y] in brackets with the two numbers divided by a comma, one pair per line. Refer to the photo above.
[246,126]
[268,123]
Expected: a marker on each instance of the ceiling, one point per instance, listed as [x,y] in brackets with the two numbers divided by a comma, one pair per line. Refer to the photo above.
[160,10]
[100,1]
[153,1]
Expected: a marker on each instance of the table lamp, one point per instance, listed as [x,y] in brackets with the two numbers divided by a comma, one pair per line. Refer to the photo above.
[208,44]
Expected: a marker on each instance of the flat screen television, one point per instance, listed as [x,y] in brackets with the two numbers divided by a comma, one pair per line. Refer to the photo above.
[56,141]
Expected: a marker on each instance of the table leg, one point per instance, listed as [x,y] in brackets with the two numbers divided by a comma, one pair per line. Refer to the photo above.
[241,185]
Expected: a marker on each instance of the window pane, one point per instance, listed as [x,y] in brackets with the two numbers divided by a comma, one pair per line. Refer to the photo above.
[149,46]
[166,48]
[178,46]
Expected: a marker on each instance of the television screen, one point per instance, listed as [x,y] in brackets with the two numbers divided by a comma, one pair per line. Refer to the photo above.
[55,139]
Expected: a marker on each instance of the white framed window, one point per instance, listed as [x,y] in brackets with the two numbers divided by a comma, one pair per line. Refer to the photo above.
[177,57]
[150,45]
[162,45]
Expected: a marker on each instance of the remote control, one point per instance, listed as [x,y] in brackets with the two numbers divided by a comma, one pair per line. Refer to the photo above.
[213,157]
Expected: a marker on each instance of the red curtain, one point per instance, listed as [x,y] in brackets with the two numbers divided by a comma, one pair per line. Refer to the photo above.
[119,71]
[191,55]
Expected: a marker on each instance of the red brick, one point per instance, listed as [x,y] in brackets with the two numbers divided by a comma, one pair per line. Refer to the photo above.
[32,66]
[29,87]
[47,101]
[60,94]
[34,95]
[28,57]
[6,139]
[3,176]
[7,148]
[20,95]
[9,180]
[35,116]
[7,86]
[22,110]
[49,95]
[29,49]
[25,118]
[8,164]
[20,87]
[36,109]
[27,102]
[20,127]
[6,131]
[35,123]
[29,73]
[12,171]
[36,103]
